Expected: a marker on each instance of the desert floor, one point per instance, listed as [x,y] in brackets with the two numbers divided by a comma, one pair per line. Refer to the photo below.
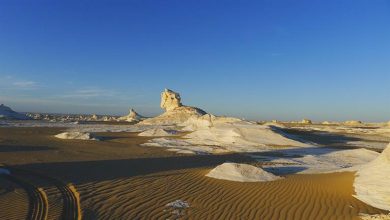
[116,178]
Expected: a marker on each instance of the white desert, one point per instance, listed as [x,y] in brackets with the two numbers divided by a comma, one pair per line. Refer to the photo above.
[190,164]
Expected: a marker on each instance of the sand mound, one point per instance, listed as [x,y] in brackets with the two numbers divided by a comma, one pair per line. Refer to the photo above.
[76,135]
[7,113]
[158,132]
[241,173]
[372,182]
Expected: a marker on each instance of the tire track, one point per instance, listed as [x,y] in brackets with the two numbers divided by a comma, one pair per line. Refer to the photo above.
[40,203]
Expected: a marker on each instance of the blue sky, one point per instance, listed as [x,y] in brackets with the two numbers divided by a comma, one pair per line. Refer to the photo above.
[273,59]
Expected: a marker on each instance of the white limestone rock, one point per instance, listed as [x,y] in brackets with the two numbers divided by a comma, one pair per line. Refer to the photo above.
[372,181]
[306,121]
[175,111]
[133,116]
[241,173]
[352,123]
[76,135]
[170,100]
[158,132]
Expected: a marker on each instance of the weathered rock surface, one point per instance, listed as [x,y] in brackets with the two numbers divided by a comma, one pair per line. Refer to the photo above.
[353,123]
[133,116]
[176,112]
[170,100]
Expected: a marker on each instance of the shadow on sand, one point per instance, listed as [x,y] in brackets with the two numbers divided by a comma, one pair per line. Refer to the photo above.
[10,148]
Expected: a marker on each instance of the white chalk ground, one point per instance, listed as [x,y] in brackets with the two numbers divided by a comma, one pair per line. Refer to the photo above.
[314,159]
[372,182]
[374,217]
[76,135]
[159,132]
[210,134]
[241,173]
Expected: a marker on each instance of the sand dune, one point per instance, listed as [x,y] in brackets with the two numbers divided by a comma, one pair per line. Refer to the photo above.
[325,196]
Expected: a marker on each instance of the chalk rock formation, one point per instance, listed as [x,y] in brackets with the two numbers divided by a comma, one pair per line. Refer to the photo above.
[7,113]
[372,181]
[241,173]
[76,135]
[306,121]
[133,116]
[170,100]
[353,123]
[158,132]
[175,111]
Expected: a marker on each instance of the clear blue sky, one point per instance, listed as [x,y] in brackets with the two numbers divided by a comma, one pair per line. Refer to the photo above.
[273,59]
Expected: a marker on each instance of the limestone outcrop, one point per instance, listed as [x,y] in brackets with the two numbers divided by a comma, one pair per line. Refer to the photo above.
[133,116]
[175,111]
[170,100]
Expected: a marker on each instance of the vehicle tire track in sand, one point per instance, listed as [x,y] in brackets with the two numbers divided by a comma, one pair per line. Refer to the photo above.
[38,204]
[62,201]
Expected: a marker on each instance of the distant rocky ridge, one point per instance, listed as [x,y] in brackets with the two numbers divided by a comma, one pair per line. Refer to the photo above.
[175,111]
[7,113]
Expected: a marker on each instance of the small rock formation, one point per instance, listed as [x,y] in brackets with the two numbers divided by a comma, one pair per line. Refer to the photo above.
[372,181]
[133,116]
[241,173]
[175,111]
[76,135]
[7,113]
[353,123]
[306,121]
[170,100]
